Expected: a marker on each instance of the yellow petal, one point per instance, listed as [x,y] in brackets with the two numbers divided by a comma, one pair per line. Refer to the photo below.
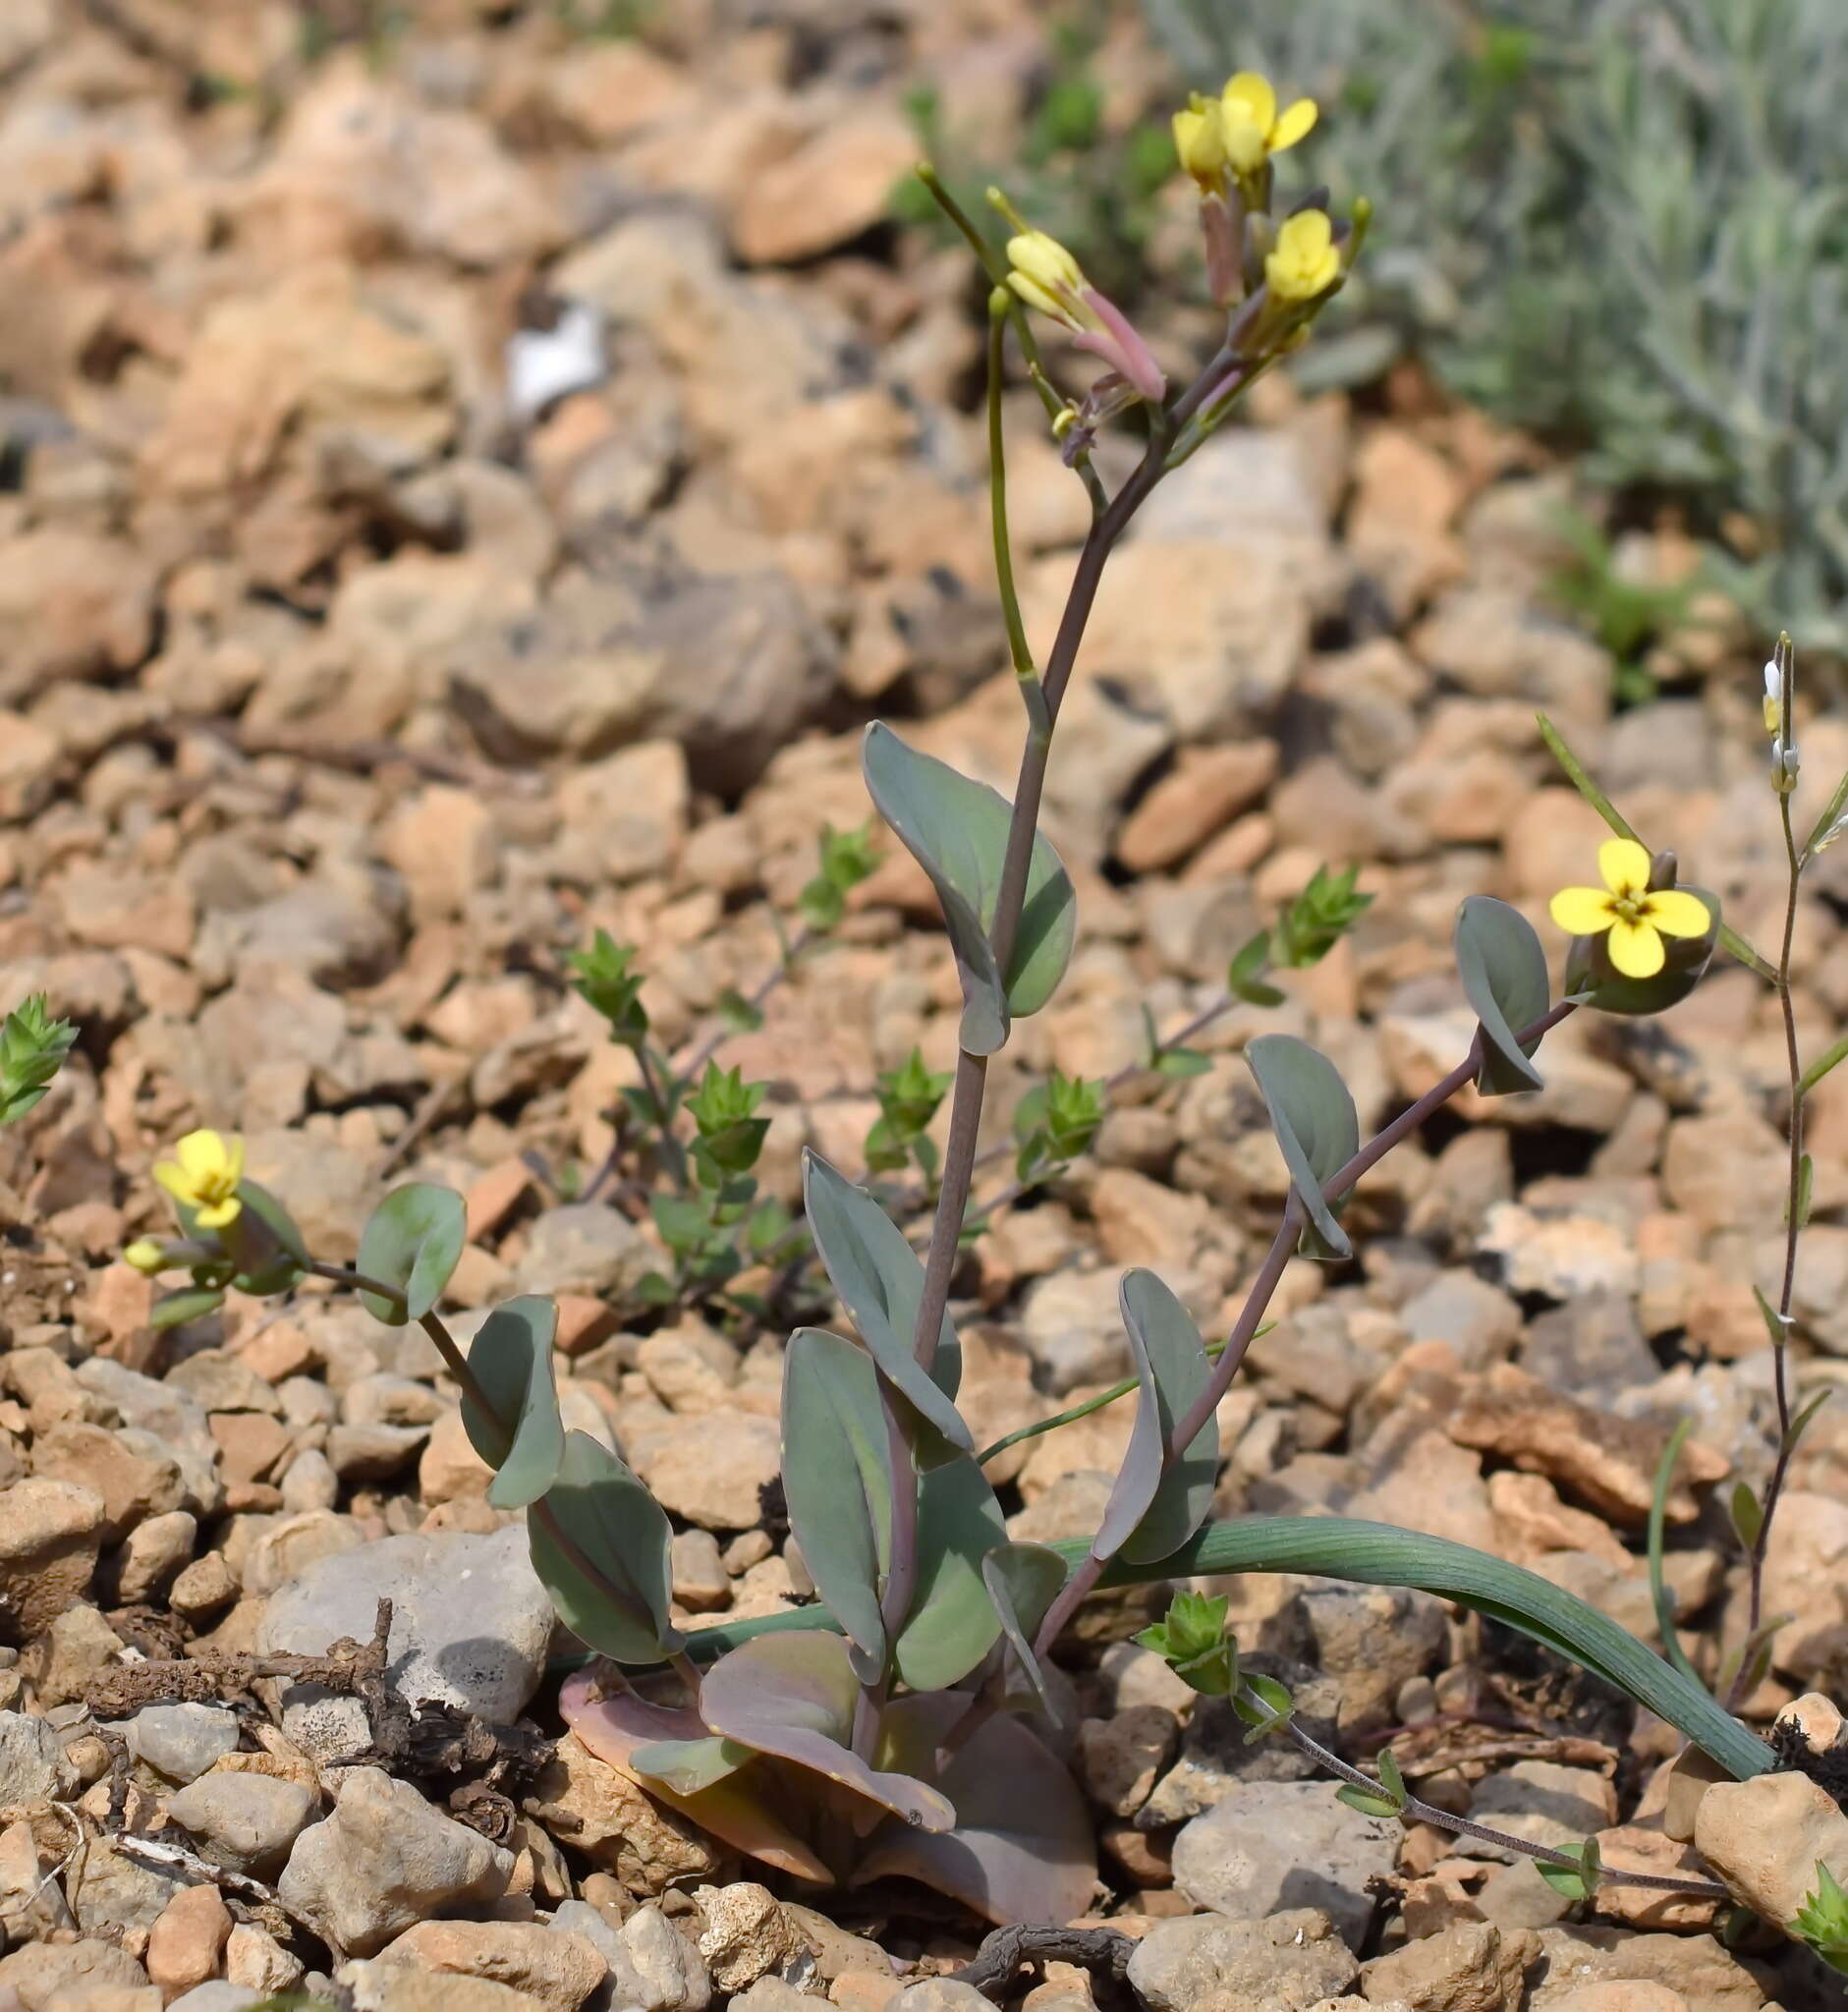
[1252,94]
[173,1180]
[1636,949]
[1677,913]
[1623,866]
[215,1214]
[1295,123]
[200,1153]
[1582,911]
[234,1160]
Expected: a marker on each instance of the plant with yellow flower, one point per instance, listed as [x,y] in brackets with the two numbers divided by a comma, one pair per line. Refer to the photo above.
[886,1732]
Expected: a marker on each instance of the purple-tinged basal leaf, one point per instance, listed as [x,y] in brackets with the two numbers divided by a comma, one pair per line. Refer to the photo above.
[794,1697]
[1022,1847]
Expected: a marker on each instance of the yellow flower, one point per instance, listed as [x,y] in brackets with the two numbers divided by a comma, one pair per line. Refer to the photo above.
[146,1256]
[204,1175]
[1200,141]
[1254,127]
[1305,261]
[1636,918]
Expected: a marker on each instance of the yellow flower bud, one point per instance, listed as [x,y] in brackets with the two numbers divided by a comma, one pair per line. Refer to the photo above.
[1047,277]
[1305,262]
[146,1256]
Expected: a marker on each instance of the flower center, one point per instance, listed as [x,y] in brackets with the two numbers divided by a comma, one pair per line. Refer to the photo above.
[1632,907]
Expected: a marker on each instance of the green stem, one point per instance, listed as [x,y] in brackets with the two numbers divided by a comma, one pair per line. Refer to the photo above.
[1793,1232]
[1417,1810]
[998,319]
[1128,1386]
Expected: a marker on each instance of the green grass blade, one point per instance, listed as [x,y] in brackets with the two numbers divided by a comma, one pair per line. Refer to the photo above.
[1658,1518]
[1377,1555]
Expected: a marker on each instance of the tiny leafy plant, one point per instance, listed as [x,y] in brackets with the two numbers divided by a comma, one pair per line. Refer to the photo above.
[893,1727]
[33,1048]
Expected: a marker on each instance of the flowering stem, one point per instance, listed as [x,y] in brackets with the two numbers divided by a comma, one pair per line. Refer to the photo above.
[1417,1810]
[1269,1274]
[1793,1231]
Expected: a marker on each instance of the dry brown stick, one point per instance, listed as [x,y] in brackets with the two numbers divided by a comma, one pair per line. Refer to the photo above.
[356,1669]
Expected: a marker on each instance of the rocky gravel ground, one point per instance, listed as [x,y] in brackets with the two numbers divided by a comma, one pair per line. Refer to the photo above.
[469,487]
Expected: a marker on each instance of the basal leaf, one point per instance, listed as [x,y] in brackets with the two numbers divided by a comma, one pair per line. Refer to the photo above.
[1503,967]
[741,1809]
[956,830]
[794,1697]
[1317,1125]
[1150,1514]
[1023,1582]
[837,1479]
[881,1282]
[1022,1847]
[524,1437]
[411,1242]
[952,1624]
[598,1542]
[689,1766]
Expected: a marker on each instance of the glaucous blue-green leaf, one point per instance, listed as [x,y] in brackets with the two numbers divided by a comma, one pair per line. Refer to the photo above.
[262,1241]
[794,1696]
[276,1221]
[1022,1848]
[1317,1125]
[952,1624]
[1503,967]
[1151,1512]
[689,1766]
[524,1437]
[1023,1582]
[881,1282]
[188,1303]
[956,830]
[411,1242]
[837,1480]
[598,1542]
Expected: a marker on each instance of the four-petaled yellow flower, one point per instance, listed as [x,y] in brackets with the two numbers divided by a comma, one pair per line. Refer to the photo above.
[1305,261]
[1637,916]
[1253,129]
[1200,141]
[204,1175]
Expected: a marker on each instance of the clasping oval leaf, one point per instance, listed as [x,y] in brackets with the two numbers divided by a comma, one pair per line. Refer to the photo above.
[1317,1125]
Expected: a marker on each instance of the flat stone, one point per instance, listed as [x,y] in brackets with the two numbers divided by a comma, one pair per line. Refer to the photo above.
[1287,1963]
[182,1740]
[243,1822]
[1282,1843]
[385,1859]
